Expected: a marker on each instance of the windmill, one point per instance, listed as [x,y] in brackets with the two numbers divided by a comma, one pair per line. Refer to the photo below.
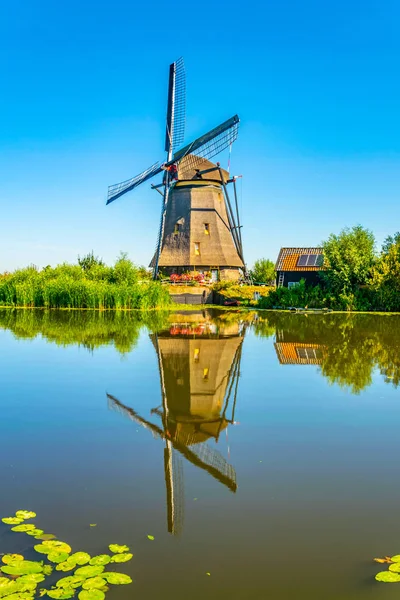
[200,228]
[197,413]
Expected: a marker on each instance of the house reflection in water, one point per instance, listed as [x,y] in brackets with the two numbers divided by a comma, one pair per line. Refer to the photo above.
[199,366]
[292,352]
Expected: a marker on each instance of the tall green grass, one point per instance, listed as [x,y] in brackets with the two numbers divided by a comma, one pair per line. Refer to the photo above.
[75,286]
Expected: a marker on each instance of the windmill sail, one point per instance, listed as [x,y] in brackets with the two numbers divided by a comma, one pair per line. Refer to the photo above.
[210,144]
[176,109]
[119,189]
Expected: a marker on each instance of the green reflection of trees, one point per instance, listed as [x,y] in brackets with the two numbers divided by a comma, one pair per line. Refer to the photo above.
[90,329]
[352,345]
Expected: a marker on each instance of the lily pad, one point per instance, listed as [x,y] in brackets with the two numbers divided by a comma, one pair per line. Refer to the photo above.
[101,559]
[10,558]
[396,558]
[46,536]
[25,514]
[90,571]
[52,546]
[72,581]
[93,582]
[61,593]
[387,577]
[117,549]
[121,558]
[91,595]
[24,528]
[36,577]
[151,537]
[35,532]
[47,569]
[68,565]
[117,578]
[23,567]
[12,520]
[57,557]
[81,558]
[21,596]
[395,567]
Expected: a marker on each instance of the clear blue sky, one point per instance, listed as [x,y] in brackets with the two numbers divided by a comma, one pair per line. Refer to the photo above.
[82,105]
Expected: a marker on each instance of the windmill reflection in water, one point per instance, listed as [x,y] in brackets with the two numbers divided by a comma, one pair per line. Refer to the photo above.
[199,374]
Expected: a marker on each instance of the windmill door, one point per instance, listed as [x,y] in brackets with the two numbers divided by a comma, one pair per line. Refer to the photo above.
[214,275]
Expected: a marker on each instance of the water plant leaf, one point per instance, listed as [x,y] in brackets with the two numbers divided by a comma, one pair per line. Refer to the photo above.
[91,595]
[61,593]
[23,567]
[52,546]
[101,559]
[25,514]
[68,565]
[209,574]
[151,537]
[46,536]
[47,569]
[35,532]
[73,581]
[12,520]
[121,558]
[395,558]
[81,558]
[9,558]
[90,571]
[24,527]
[36,577]
[93,525]
[57,557]
[117,549]
[117,578]
[387,577]
[382,560]
[395,567]
[93,582]
[21,596]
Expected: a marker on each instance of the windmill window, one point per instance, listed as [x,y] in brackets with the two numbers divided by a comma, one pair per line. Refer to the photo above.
[205,374]
[178,228]
[196,354]
[207,228]
[197,248]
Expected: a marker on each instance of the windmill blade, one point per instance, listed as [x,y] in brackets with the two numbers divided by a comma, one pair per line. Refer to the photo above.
[205,458]
[176,108]
[119,189]
[212,143]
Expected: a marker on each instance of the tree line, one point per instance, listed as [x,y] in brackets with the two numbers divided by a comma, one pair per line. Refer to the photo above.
[355,275]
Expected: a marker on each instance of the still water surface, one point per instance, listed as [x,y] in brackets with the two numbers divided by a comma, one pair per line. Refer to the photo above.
[260,448]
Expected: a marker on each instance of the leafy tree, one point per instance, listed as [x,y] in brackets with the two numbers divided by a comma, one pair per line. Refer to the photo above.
[90,260]
[263,271]
[390,241]
[348,258]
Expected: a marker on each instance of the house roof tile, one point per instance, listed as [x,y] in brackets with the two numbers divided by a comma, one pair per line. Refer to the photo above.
[289,257]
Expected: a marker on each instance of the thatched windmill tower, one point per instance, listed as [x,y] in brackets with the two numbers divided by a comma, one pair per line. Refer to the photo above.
[199,376]
[200,227]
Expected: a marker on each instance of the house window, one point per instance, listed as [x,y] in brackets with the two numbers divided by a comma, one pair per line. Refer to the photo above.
[197,248]
[207,228]
[292,284]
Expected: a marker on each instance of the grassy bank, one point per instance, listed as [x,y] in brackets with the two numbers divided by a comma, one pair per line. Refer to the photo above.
[88,284]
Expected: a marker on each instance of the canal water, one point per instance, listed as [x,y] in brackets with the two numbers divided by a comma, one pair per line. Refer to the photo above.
[260,450]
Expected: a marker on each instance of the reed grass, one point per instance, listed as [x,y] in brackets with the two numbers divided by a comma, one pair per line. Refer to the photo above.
[120,287]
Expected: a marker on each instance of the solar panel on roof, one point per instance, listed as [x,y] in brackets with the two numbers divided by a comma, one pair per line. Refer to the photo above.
[302,262]
[312,259]
[320,260]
